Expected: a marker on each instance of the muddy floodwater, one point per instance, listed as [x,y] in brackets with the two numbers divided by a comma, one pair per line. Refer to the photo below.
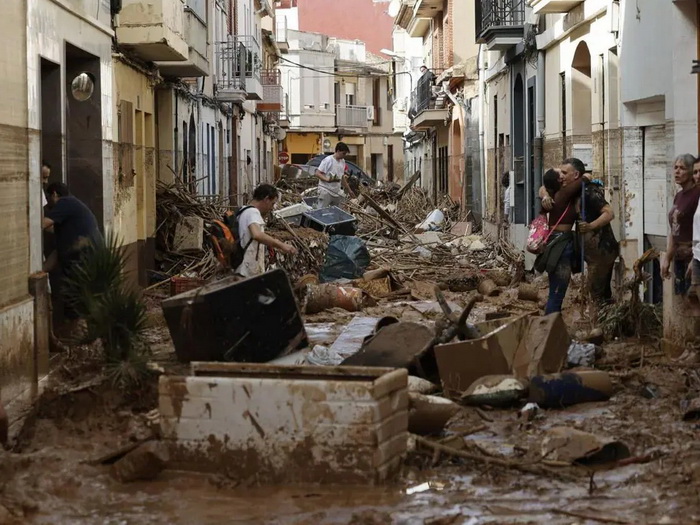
[51,476]
[51,481]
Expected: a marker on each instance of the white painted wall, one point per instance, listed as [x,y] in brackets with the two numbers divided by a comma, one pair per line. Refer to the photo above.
[50,25]
[411,52]
[659,94]
[311,93]
[292,16]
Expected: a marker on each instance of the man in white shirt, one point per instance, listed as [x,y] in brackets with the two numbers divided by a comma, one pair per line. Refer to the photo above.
[331,172]
[251,229]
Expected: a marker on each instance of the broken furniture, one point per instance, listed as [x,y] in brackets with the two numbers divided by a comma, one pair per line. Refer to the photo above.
[249,320]
[524,346]
[280,424]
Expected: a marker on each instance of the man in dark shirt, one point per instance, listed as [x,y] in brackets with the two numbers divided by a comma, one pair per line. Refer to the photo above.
[600,245]
[74,226]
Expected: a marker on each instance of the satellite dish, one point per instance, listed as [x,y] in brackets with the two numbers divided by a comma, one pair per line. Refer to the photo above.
[280,134]
[394,7]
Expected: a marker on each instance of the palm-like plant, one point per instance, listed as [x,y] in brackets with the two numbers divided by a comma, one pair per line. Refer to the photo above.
[99,271]
[113,312]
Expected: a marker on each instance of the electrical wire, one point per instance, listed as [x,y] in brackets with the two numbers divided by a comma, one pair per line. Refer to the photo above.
[333,73]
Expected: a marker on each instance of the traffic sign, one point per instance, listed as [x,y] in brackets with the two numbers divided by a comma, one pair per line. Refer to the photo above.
[283,157]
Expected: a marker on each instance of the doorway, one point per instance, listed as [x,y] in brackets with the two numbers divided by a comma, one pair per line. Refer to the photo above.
[390,163]
[377,166]
[51,125]
[84,157]
[519,206]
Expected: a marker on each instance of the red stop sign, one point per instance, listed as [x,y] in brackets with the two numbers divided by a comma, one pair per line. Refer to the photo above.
[283,157]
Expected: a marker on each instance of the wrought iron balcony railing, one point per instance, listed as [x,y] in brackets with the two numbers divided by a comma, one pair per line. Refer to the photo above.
[424,95]
[499,13]
[238,59]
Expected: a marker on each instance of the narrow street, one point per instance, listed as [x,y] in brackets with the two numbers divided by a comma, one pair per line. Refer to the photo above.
[290,262]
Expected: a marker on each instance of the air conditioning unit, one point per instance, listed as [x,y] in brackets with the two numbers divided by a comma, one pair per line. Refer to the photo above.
[370,112]
[401,104]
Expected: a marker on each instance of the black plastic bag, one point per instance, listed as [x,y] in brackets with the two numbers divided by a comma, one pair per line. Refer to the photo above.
[346,258]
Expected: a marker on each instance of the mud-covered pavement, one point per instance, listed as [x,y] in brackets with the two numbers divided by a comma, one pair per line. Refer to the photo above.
[50,478]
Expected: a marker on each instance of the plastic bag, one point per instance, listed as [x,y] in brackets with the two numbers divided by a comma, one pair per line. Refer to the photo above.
[346,258]
[580,354]
[433,222]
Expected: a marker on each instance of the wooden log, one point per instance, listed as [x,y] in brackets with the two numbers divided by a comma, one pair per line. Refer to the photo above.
[528,292]
[488,288]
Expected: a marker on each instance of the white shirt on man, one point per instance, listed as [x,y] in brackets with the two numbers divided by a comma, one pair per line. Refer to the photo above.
[334,169]
[254,257]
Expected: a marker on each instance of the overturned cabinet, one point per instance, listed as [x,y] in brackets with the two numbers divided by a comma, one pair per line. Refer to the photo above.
[273,424]
[250,320]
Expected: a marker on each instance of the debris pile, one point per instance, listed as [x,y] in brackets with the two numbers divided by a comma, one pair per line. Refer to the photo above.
[311,248]
[182,248]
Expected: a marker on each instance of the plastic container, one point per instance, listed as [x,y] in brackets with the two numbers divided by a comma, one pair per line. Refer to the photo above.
[180,285]
[331,220]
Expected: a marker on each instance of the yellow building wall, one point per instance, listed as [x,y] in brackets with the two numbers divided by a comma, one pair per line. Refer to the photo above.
[312,143]
[134,160]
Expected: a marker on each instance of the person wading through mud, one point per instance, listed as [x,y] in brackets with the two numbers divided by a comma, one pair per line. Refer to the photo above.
[331,173]
[558,258]
[251,232]
[679,247]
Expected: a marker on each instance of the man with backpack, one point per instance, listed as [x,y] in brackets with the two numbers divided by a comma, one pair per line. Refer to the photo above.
[251,232]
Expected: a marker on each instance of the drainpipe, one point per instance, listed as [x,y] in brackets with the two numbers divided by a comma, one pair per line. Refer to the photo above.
[482,127]
[539,140]
[177,139]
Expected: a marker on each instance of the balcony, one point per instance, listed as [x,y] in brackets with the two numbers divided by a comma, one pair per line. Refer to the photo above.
[239,69]
[283,117]
[553,6]
[500,24]
[352,117]
[281,37]
[197,63]
[414,15]
[272,92]
[153,29]
[427,105]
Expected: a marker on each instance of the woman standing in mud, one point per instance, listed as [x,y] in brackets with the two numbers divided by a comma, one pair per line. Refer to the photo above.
[679,248]
[557,259]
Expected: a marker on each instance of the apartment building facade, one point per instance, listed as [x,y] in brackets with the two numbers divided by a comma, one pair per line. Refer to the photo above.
[117,95]
[339,92]
[443,142]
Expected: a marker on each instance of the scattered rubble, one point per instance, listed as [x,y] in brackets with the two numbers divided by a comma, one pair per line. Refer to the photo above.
[421,292]
[143,463]
[574,446]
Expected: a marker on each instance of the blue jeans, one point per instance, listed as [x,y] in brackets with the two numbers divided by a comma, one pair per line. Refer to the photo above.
[559,280]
